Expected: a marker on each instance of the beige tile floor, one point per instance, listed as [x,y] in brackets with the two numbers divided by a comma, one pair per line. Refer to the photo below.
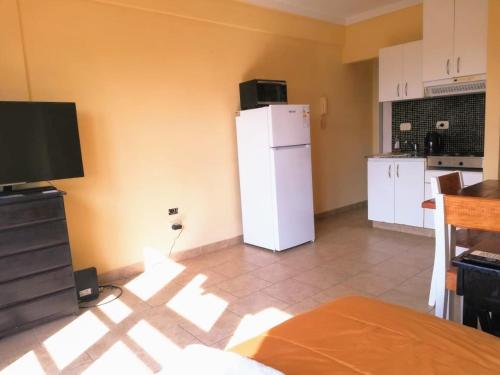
[225,297]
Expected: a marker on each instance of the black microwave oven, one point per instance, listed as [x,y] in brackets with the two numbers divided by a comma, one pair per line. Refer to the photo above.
[262,92]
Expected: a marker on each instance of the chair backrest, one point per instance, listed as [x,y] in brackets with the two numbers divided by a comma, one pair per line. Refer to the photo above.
[472,213]
[447,184]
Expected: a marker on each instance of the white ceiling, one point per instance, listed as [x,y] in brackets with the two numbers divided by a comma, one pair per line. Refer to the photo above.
[336,11]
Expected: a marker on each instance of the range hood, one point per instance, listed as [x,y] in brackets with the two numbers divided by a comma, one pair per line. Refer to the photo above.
[456,86]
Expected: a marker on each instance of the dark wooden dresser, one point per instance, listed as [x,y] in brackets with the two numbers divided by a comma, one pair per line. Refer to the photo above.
[36,275]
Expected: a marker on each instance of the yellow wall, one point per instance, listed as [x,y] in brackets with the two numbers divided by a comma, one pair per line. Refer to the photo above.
[242,16]
[365,38]
[155,84]
[492,137]
[13,80]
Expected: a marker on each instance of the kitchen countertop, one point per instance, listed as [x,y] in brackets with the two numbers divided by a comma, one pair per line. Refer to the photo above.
[395,155]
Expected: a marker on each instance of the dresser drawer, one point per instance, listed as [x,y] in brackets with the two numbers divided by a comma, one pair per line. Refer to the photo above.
[30,287]
[25,264]
[24,213]
[43,309]
[36,236]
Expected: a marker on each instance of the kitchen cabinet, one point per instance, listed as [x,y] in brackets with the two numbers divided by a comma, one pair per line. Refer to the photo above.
[409,193]
[400,72]
[396,190]
[381,190]
[471,35]
[390,74]
[455,38]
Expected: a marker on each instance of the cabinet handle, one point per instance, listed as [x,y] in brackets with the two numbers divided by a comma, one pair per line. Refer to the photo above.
[458,64]
[398,89]
[448,66]
[397,171]
[390,167]
[406,89]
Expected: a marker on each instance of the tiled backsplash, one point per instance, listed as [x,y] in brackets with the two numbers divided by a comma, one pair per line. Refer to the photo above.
[465,114]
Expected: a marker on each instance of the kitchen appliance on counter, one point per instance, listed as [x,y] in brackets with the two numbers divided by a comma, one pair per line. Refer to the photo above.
[455,161]
[433,143]
[274,159]
[259,93]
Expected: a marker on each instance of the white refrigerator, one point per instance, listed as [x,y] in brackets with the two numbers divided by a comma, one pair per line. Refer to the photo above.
[274,158]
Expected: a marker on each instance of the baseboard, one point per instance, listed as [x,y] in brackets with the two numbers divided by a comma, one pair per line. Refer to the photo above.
[138,268]
[404,229]
[340,210]
[209,248]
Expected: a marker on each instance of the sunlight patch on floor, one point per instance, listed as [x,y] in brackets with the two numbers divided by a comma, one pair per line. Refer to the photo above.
[200,308]
[119,359]
[153,342]
[255,324]
[74,339]
[27,364]
[155,278]
[153,257]
[117,311]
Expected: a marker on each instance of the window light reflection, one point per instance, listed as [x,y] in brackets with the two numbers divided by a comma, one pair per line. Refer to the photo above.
[253,325]
[27,364]
[153,342]
[117,311]
[74,339]
[119,359]
[155,278]
[201,309]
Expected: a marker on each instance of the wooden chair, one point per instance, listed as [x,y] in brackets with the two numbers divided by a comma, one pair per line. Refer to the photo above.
[478,214]
[449,184]
[439,296]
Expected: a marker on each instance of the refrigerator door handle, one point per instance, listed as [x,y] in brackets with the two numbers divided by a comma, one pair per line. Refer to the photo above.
[292,146]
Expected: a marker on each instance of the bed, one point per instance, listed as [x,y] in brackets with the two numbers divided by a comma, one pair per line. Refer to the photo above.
[358,335]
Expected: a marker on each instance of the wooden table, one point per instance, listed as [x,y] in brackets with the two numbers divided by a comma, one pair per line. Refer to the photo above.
[487,189]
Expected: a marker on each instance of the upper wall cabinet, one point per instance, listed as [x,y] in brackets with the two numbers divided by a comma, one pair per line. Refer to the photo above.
[400,72]
[455,38]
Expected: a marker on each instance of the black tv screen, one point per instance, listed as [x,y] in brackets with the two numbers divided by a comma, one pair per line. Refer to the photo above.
[38,142]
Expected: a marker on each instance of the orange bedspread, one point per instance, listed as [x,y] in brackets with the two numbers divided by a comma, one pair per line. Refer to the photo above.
[357,335]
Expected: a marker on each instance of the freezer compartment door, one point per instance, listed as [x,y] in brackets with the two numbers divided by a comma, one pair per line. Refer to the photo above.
[293,196]
[289,125]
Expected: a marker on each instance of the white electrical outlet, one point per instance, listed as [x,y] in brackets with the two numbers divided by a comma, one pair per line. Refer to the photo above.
[405,126]
[174,217]
[442,125]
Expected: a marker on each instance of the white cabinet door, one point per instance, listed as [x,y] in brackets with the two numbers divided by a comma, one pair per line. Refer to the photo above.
[438,39]
[428,213]
[413,86]
[471,32]
[381,190]
[472,178]
[409,193]
[390,74]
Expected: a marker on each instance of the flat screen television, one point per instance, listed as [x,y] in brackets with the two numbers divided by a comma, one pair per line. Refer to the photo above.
[38,142]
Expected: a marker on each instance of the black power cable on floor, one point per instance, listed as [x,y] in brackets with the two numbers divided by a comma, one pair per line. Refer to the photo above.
[174,241]
[83,305]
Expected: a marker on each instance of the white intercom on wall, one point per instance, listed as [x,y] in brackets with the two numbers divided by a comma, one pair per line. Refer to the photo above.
[323,108]
[323,101]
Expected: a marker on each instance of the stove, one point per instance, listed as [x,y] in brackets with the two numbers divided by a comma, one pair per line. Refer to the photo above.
[455,161]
